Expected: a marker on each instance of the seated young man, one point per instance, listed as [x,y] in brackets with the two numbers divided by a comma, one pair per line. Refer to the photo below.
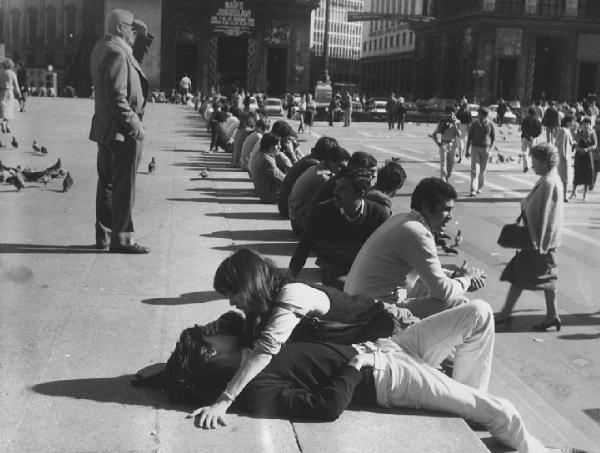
[338,228]
[317,380]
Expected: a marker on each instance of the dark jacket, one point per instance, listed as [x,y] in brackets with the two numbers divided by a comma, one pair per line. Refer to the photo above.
[550,118]
[531,127]
[309,381]
[120,92]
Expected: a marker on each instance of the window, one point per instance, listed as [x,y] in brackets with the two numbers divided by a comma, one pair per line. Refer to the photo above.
[15,31]
[552,7]
[364,47]
[32,23]
[70,23]
[51,24]
[410,37]
[403,38]
[398,40]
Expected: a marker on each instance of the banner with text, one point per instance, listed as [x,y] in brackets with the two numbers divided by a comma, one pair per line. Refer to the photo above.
[232,19]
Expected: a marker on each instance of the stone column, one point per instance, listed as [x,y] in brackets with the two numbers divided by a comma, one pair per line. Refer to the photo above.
[531,6]
[571,8]
[489,5]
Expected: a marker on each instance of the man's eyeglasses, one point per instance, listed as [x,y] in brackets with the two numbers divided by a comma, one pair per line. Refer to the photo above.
[129,24]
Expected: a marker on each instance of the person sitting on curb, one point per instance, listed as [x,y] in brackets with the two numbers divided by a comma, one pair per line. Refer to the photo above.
[338,228]
[390,179]
[317,381]
[404,246]
[301,199]
[317,154]
[265,175]
[262,126]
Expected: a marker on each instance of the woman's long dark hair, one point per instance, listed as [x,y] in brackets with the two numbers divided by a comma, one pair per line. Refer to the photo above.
[254,279]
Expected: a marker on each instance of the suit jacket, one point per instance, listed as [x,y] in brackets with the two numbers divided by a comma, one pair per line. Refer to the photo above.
[120,91]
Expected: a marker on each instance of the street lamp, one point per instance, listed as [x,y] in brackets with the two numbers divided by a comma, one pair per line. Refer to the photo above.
[326,44]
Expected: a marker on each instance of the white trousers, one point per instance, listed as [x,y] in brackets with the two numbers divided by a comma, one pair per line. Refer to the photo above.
[407,376]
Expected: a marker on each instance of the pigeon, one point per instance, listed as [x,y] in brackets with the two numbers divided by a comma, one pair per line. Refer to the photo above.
[504,138]
[520,159]
[14,143]
[152,166]
[44,150]
[204,173]
[500,132]
[458,239]
[36,147]
[496,147]
[2,145]
[67,182]
[18,181]
[501,158]
[511,158]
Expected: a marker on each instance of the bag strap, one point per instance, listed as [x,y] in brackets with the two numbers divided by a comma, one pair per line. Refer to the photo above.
[519,218]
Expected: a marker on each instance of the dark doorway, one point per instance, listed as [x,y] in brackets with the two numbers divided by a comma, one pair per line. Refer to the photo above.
[185,62]
[586,82]
[507,78]
[547,68]
[232,63]
[276,71]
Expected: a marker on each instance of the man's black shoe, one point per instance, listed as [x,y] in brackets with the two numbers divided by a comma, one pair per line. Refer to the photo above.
[134,249]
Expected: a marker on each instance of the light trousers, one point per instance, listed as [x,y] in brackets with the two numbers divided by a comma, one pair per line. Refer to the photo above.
[446,160]
[407,376]
[526,145]
[479,161]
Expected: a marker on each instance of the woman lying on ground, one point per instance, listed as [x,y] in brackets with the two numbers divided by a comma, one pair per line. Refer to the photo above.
[278,309]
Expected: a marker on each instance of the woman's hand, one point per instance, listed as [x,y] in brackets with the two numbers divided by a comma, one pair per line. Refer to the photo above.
[211,416]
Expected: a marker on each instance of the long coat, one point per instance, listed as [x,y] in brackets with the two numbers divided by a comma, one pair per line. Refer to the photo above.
[120,91]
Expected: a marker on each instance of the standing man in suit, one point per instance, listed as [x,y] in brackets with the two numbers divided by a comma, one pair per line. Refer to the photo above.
[121,90]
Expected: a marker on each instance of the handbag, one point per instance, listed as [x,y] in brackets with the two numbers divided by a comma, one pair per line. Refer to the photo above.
[515,236]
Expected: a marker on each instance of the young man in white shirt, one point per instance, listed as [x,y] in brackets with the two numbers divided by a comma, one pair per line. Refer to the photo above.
[404,248]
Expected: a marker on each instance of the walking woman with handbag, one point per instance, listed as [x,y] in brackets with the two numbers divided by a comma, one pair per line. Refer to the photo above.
[535,268]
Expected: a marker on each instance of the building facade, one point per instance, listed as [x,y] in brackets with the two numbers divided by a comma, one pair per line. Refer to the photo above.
[344,41]
[388,46]
[517,49]
[52,32]
[259,45]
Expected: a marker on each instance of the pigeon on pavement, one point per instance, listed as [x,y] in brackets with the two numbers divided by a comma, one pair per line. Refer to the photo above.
[67,182]
[14,143]
[36,147]
[204,173]
[152,166]
[458,239]
[44,150]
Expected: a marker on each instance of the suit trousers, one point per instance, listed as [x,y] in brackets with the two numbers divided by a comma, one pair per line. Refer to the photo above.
[117,165]
[446,160]
[407,376]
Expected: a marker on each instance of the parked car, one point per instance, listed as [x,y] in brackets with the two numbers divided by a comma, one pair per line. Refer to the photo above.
[273,107]
[377,110]
[358,114]
[412,113]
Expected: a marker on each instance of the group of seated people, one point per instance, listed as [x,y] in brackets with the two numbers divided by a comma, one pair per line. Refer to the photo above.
[375,335]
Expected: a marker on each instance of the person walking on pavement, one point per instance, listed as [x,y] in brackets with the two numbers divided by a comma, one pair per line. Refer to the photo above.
[22,79]
[551,122]
[501,111]
[586,142]
[334,106]
[400,113]
[564,144]
[465,118]
[121,90]
[482,135]
[390,110]
[9,86]
[185,85]
[531,128]
[445,135]
[535,268]
[347,107]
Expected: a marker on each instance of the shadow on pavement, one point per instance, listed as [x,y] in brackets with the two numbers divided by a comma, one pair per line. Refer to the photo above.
[580,336]
[218,200]
[271,248]
[199,297]
[247,215]
[524,323]
[229,192]
[253,235]
[106,390]
[467,199]
[39,248]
